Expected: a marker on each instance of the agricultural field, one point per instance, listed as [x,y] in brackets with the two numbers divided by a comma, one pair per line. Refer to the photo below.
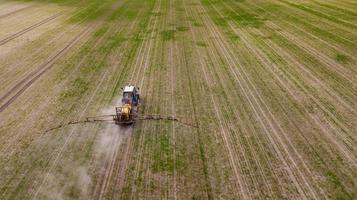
[265,93]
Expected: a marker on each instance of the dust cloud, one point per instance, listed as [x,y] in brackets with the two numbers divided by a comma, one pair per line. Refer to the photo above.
[112,134]
[78,177]
[84,181]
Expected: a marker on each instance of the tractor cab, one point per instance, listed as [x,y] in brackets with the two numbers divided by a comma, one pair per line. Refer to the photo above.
[130,96]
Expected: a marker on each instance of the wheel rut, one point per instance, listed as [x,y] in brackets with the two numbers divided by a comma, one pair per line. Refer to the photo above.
[30,28]
[16,11]
[8,98]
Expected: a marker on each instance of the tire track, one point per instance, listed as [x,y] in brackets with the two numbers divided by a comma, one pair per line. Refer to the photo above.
[240,183]
[120,179]
[263,116]
[283,85]
[186,82]
[226,108]
[335,9]
[144,157]
[16,11]
[240,121]
[161,175]
[142,63]
[332,93]
[68,137]
[67,78]
[112,159]
[128,151]
[25,83]
[35,55]
[331,45]
[320,20]
[97,24]
[317,30]
[7,94]
[108,171]
[151,176]
[143,163]
[274,27]
[107,34]
[154,107]
[165,106]
[270,124]
[73,129]
[128,147]
[332,64]
[173,113]
[351,109]
[234,139]
[259,55]
[318,103]
[123,168]
[328,19]
[172,75]
[311,116]
[6,5]
[30,28]
[344,6]
[246,156]
[236,115]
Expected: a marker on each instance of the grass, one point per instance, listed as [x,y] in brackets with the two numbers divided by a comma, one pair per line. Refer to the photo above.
[182,28]
[168,35]
[342,58]
[320,14]
[321,32]
[162,161]
[201,44]
[265,107]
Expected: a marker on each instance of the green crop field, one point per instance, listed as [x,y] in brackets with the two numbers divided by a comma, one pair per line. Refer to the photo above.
[264,93]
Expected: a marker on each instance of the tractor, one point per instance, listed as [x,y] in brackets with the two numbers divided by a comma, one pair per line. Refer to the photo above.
[128,111]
